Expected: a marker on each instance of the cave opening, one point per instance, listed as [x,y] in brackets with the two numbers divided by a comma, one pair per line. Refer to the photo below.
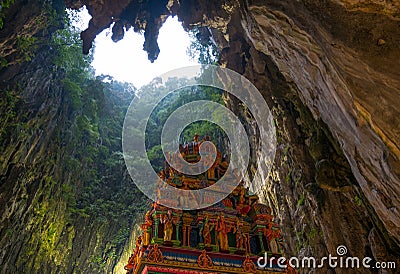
[126,61]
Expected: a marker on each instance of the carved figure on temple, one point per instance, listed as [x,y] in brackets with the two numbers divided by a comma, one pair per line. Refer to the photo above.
[146,228]
[196,143]
[227,202]
[247,243]
[289,268]
[168,226]
[223,166]
[241,202]
[268,231]
[135,256]
[206,232]
[131,262]
[240,235]
[204,261]
[272,235]
[223,230]
[209,161]
[249,266]
[162,175]
[203,182]
[185,196]
[138,250]
[243,206]
[158,189]
[155,254]
[174,178]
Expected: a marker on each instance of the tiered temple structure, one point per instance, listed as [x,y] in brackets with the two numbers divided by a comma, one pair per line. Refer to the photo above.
[227,237]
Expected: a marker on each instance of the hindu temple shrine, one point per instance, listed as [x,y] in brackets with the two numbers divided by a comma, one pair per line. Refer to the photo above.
[227,237]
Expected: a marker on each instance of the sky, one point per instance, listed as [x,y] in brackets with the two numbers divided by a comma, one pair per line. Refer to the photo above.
[126,61]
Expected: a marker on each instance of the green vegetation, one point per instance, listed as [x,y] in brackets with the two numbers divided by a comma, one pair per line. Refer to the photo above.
[3,62]
[202,47]
[13,123]
[69,55]
[300,201]
[358,200]
[81,178]
[26,45]
[9,100]
[4,4]
[312,234]
[288,176]
[168,105]
[304,238]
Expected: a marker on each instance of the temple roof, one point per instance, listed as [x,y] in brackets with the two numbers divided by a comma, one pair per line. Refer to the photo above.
[227,237]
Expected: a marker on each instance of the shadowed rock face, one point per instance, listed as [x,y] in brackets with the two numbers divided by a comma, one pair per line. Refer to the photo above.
[330,72]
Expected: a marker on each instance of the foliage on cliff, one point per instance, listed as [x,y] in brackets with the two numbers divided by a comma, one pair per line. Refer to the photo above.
[177,97]
[61,163]
[4,4]
[202,47]
[61,158]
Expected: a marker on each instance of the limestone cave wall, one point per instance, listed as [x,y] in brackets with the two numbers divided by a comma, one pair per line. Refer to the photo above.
[330,73]
[66,200]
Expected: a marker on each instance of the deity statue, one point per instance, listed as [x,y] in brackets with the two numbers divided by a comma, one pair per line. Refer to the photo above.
[131,262]
[134,259]
[206,232]
[196,144]
[223,230]
[168,226]
[146,228]
[247,243]
[240,236]
[243,206]
[268,231]
[210,162]
[242,200]
[227,202]
[223,166]
[203,182]
[204,261]
[187,198]
[162,175]
[138,250]
[272,235]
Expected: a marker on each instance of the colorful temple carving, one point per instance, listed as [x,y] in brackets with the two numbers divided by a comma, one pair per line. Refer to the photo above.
[227,237]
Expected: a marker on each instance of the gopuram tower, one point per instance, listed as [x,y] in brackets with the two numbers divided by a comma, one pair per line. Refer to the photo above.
[227,237]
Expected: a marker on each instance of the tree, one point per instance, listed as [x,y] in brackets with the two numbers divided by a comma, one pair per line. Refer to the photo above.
[202,47]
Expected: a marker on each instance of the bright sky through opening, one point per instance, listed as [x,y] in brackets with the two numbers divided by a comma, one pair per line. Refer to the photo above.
[126,61]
